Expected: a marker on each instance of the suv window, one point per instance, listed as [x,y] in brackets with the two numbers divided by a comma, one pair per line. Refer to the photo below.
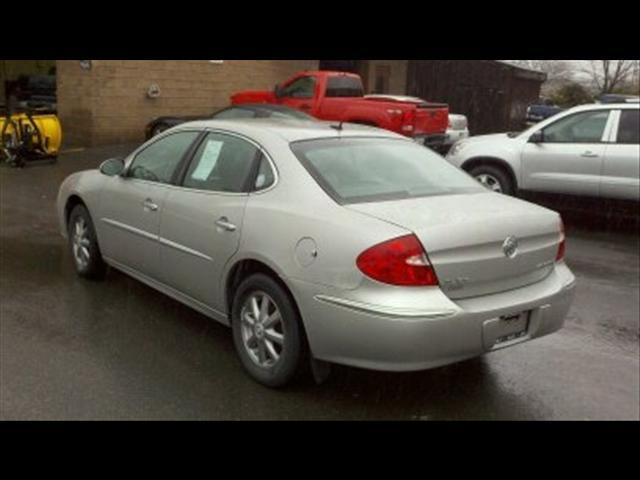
[584,127]
[629,128]
[344,86]
[158,161]
[303,87]
[222,163]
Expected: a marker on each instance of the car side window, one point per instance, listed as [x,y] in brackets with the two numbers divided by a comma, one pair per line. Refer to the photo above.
[629,127]
[584,127]
[158,161]
[303,87]
[265,176]
[222,163]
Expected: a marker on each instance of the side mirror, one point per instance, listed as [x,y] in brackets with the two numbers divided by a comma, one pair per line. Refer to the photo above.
[537,137]
[278,91]
[112,167]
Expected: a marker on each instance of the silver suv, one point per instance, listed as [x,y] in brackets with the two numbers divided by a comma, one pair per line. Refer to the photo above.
[590,150]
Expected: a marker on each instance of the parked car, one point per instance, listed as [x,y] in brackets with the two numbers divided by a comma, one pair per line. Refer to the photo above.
[457,130]
[541,111]
[590,150]
[339,96]
[355,244]
[260,110]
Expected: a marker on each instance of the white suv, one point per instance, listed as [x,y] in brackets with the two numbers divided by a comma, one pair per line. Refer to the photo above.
[590,150]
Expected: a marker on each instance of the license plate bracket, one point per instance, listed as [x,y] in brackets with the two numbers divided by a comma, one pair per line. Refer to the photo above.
[506,329]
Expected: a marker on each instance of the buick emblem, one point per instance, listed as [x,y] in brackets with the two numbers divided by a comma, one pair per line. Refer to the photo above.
[510,247]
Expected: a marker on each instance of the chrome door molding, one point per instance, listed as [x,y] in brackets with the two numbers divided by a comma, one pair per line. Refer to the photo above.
[130,229]
[156,238]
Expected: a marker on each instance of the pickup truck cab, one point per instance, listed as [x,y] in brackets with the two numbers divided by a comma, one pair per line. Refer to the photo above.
[339,96]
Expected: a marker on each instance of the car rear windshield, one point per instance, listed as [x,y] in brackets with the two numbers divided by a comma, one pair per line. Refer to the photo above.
[344,86]
[357,170]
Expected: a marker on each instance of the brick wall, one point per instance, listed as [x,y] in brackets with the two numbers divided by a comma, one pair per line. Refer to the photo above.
[108,103]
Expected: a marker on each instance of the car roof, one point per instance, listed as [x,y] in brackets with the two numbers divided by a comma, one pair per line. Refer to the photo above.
[291,130]
[604,106]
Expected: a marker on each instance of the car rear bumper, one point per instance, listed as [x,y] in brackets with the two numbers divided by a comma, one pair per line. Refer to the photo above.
[351,331]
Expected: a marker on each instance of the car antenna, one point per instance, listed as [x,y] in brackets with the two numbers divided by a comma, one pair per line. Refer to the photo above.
[337,127]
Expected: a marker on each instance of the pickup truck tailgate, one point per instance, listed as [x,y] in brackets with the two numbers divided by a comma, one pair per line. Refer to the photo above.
[431,118]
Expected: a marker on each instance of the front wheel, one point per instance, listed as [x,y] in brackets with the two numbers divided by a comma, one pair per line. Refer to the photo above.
[494,178]
[267,331]
[83,243]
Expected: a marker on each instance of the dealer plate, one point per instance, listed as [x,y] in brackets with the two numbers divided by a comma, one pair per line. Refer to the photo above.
[512,327]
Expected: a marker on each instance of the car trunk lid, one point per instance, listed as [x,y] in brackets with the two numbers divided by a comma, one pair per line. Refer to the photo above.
[465,235]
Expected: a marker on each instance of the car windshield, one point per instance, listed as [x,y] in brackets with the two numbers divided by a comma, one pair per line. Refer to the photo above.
[356,170]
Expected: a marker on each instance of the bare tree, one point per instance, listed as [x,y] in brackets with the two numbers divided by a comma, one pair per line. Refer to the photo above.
[607,75]
[559,72]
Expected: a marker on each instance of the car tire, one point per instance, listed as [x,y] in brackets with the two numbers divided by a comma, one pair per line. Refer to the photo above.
[252,341]
[494,178]
[83,244]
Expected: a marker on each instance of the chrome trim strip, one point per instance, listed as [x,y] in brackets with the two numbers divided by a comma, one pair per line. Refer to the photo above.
[184,249]
[157,238]
[128,228]
[385,310]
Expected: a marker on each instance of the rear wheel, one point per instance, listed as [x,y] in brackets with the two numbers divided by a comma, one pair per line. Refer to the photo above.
[267,332]
[84,244]
[494,178]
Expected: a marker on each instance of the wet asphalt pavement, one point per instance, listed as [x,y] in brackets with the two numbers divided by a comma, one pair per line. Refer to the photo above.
[75,349]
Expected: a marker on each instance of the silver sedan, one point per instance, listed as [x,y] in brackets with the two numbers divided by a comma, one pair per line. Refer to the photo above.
[322,244]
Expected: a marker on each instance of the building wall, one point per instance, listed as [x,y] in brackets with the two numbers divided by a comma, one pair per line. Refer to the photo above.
[493,95]
[397,80]
[109,103]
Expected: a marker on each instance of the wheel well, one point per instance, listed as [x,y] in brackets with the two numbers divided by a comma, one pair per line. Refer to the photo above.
[496,162]
[242,270]
[72,201]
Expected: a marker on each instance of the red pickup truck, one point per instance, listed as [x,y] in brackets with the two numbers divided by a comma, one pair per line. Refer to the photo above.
[339,96]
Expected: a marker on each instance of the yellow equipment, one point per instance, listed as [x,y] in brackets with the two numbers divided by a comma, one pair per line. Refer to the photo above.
[29,136]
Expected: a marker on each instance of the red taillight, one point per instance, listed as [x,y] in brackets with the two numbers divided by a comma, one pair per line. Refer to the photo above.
[561,245]
[408,121]
[401,261]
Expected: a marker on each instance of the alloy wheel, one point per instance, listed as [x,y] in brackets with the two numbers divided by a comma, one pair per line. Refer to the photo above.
[489,181]
[262,329]
[80,243]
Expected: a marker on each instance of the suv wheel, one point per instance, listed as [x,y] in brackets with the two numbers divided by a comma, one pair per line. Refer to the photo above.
[494,178]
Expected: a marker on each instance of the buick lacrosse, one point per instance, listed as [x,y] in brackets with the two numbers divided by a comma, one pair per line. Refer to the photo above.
[322,244]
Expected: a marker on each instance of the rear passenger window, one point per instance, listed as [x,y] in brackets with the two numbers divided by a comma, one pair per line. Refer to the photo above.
[222,163]
[629,128]
[265,176]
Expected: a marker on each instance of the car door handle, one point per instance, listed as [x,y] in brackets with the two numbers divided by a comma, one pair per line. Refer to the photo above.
[589,154]
[225,224]
[149,205]
[305,106]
